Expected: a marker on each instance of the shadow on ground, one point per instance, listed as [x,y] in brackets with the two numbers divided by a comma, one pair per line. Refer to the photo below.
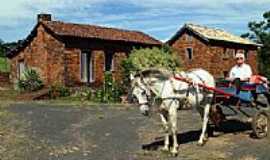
[232,126]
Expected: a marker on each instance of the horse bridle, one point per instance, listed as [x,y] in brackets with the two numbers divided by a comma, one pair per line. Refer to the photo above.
[136,85]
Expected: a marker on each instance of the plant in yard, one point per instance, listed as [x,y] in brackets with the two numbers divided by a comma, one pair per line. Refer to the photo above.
[145,58]
[85,93]
[4,64]
[109,92]
[58,90]
[30,81]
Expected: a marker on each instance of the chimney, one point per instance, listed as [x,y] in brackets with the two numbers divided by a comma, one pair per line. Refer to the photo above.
[44,17]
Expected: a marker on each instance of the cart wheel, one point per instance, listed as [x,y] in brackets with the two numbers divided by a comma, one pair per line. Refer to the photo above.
[261,124]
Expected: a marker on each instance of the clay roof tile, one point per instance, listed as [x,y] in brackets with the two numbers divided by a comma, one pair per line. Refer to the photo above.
[92,31]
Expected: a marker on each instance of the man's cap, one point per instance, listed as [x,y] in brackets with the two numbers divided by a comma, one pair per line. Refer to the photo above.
[240,55]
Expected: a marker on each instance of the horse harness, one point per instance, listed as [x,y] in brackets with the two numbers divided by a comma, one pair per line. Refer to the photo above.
[183,102]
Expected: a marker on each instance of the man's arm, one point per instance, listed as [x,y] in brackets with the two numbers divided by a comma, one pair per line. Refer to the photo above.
[248,73]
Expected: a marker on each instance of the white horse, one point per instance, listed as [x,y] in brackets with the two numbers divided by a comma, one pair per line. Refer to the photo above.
[172,92]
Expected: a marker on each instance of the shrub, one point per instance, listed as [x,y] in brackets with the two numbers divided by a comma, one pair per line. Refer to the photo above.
[58,90]
[145,58]
[139,59]
[30,81]
[87,93]
[4,65]
[109,92]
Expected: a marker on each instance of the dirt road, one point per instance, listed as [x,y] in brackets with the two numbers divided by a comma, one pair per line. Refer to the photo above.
[120,133]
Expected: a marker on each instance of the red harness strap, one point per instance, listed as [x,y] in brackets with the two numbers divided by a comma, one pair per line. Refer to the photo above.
[204,86]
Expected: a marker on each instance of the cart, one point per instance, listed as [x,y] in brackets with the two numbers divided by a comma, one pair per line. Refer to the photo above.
[251,95]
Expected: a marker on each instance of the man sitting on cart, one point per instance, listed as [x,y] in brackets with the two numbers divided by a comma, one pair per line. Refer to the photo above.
[241,72]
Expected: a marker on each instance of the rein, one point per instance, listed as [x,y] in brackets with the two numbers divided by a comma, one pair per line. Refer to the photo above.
[203,86]
[157,94]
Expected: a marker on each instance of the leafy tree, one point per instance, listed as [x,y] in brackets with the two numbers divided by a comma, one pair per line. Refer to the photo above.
[6,46]
[260,32]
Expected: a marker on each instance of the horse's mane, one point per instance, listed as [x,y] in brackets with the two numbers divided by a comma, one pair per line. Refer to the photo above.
[157,73]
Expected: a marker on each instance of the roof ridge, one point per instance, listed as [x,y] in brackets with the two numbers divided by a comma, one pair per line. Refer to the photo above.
[207,27]
[81,30]
[217,30]
[93,25]
[210,33]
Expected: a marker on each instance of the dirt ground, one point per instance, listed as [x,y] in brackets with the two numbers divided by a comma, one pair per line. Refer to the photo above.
[45,132]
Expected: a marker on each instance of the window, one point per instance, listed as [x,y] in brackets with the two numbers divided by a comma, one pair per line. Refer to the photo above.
[109,62]
[189,52]
[232,52]
[86,67]
[20,68]
[228,53]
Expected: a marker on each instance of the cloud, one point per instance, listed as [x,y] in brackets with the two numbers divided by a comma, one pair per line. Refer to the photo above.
[156,17]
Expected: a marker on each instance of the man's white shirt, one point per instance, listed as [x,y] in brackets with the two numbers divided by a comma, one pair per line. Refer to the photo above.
[243,72]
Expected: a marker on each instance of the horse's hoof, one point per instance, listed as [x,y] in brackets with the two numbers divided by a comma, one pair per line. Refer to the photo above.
[200,144]
[165,149]
[174,154]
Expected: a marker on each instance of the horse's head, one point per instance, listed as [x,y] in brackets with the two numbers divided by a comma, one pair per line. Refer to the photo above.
[141,93]
[143,83]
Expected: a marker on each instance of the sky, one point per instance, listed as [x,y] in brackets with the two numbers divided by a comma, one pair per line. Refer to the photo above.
[158,18]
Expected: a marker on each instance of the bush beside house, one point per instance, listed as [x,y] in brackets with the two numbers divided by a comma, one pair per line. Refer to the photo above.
[163,58]
[4,65]
[30,81]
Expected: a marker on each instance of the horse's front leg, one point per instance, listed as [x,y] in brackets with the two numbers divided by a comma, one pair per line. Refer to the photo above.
[163,117]
[204,125]
[173,121]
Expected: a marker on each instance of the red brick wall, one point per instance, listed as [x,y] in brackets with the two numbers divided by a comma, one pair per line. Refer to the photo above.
[73,66]
[210,57]
[97,49]
[252,60]
[45,55]
[118,58]
[55,63]
[58,59]
[34,56]
[97,56]
[99,60]
[200,52]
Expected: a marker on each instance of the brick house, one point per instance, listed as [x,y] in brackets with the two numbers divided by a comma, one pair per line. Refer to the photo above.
[211,49]
[74,54]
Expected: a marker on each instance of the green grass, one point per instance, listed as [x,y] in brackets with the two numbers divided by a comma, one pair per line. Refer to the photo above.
[4,65]
[8,95]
